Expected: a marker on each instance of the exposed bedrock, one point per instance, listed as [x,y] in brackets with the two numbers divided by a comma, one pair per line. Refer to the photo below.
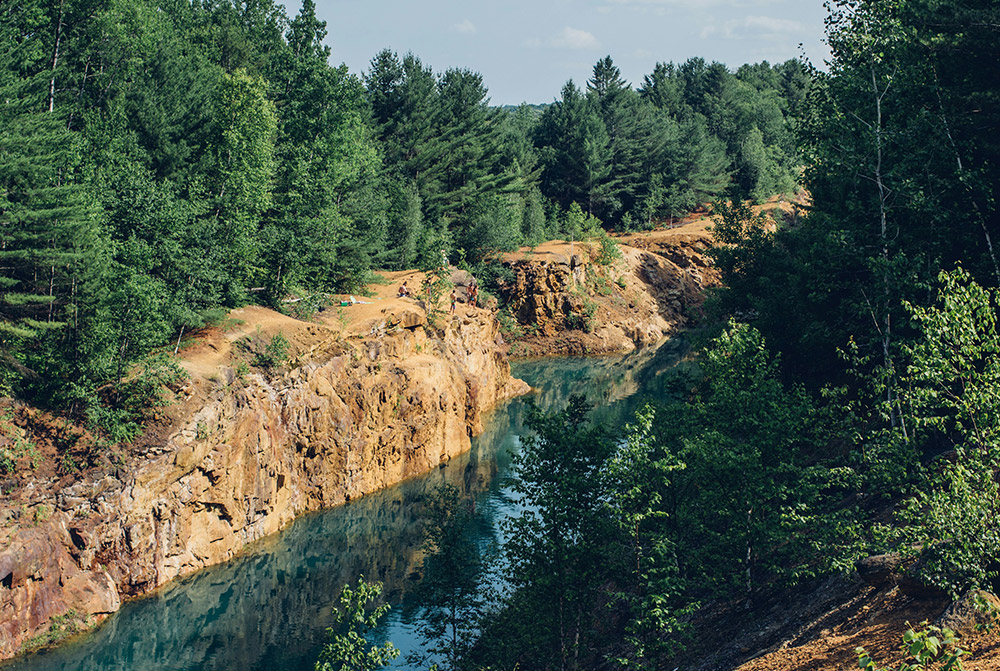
[349,418]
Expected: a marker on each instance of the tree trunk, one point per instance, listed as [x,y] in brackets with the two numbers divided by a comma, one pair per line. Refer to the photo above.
[55,57]
[883,196]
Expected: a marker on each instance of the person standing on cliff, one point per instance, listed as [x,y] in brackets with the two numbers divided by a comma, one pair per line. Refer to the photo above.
[454,300]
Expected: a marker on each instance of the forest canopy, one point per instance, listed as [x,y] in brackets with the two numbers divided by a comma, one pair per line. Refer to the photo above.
[163,160]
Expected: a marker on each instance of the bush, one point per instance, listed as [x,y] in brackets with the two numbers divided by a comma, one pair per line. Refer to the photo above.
[585,320]
[120,410]
[61,627]
[14,446]
[609,250]
[930,648]
[951,391]
[274,354]
[348,648]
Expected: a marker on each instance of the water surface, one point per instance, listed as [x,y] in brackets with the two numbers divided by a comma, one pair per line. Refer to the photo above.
[269,607]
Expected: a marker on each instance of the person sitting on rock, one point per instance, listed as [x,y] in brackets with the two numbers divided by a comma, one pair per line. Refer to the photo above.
[404,291]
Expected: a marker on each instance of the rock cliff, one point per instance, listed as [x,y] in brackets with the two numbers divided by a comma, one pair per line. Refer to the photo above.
[372,395]
[358,410]
[566,299]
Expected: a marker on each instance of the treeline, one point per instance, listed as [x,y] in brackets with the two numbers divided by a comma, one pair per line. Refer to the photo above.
[846,403]
[162,160]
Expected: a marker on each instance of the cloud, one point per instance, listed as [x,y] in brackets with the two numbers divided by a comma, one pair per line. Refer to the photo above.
[757,27]
[572,38]
[467,27]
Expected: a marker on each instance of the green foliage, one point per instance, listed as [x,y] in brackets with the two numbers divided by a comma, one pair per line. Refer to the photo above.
[120,411]
[16,447]
[585,319]
[436,283]
[348,649]
[243,154]
[495,227]
[746,459]
[274,354]
[552,546]
[950,387]
[61,627]
[608,252]
[50,240]
[509,326]
[952,520]
[640,476]
[575,224]
[930,648]
[174,158]
[953,377]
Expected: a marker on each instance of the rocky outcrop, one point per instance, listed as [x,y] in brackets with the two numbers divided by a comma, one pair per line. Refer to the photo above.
[976,608]
[879,570]
[565,300]
[351,416]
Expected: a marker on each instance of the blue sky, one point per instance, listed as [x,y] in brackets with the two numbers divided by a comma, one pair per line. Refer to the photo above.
[527,49]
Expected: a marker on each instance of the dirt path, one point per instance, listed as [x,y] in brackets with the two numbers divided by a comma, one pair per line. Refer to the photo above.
[206,352]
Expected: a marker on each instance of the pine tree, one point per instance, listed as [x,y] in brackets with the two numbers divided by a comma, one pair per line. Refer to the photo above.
[47,234]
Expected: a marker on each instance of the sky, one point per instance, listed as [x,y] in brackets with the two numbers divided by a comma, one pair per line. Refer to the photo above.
[527,49]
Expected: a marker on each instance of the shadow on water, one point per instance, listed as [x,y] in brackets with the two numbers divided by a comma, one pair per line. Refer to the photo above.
[269,607]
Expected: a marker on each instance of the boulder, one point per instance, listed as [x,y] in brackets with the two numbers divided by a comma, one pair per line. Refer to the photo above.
[879,570]
[461,278]
[963,614]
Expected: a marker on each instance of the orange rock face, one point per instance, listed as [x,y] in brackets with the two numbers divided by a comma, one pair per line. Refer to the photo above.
[352,417]
[568,302]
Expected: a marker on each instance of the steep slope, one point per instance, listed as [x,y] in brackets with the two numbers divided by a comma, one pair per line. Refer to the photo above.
[247,453]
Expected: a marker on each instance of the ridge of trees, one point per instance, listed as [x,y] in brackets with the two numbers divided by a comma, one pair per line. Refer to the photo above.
[162,160]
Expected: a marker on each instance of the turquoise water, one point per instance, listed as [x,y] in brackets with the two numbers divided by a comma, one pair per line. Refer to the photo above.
[269,607]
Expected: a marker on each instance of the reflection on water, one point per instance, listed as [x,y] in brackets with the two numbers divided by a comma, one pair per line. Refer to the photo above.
[269,607]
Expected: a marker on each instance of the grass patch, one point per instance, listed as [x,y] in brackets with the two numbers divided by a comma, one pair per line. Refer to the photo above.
[62,627]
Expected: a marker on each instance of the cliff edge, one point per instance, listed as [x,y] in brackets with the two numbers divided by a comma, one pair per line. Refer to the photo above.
[373,394]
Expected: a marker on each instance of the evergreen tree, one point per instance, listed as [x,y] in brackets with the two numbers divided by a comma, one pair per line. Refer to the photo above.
[49,239]
[576,152]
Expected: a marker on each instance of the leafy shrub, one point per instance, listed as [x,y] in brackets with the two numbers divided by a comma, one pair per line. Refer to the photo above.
[609,251]
[305,305]
[14,446]
[120,410]
[952,386]
[274,354]
[509,326]
[930,648]
[61,627]
[348,648]
[585,320]
[599,284]
[495,276]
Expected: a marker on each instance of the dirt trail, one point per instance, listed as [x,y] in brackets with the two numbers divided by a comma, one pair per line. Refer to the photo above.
[209,350]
